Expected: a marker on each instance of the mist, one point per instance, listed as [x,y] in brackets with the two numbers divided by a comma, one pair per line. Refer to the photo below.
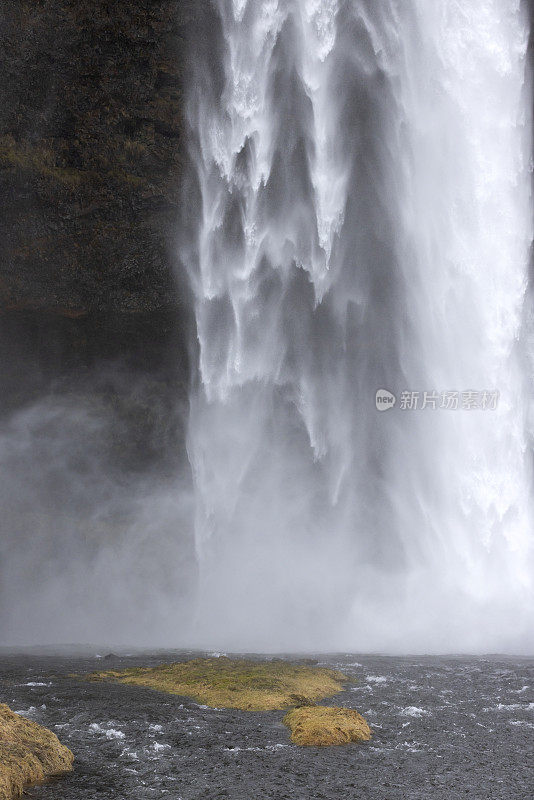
[95,494]
[356,216]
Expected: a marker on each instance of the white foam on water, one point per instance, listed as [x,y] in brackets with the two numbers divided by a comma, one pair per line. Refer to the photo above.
[513,707]
[414,711]
[109,732]
[36,683]
[27,713]
[159,747]
[131,754]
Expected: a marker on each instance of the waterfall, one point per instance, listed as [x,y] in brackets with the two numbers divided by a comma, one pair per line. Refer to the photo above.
[360,219]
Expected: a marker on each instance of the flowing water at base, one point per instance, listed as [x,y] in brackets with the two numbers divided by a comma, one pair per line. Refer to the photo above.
[443,728]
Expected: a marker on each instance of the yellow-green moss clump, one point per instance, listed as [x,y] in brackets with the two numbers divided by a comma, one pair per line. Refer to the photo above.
[235,683]
[321,726]
[28,754]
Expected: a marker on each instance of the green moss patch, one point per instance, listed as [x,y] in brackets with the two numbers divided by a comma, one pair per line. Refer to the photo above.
[235,683]
[36,160]
[40,161]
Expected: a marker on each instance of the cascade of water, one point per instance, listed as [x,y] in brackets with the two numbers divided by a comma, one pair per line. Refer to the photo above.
[364,222]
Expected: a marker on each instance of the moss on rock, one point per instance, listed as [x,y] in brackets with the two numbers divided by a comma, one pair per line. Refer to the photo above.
[29,754]
[92,149]
[321,726]
[235,683]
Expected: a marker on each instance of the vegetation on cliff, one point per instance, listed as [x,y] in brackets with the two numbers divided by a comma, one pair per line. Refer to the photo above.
[321,726]
[28,754]
[91,153]
[235,683]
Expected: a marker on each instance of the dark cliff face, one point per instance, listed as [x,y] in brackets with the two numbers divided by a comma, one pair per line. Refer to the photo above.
[94,327]
[91,147]
[91,152]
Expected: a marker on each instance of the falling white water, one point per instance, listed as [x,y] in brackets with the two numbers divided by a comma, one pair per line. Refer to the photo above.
[364,222]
